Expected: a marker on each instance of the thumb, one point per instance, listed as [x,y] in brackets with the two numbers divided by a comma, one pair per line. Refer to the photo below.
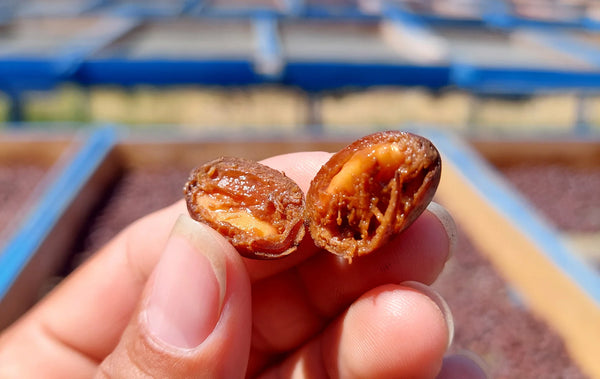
[194,318]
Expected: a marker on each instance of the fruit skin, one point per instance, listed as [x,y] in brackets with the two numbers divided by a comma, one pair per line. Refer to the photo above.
[257,208]
[371,190]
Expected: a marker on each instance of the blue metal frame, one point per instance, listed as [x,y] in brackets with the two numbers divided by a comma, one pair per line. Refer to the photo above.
[520,81]
[83,7]
[318,76]
[590,24]
[492,187]
[143,9]
[500,15]
[318,10]
[19,74]
[70,57]
[529,78]
[396,10]
[54,202]
[27,73]
[125,72]
[269,55]
[497,13]
[244,12]
[76,60]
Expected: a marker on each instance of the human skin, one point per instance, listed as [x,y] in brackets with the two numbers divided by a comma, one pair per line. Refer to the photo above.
[170,297]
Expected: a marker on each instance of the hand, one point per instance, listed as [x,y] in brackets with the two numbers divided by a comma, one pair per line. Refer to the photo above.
[170,297]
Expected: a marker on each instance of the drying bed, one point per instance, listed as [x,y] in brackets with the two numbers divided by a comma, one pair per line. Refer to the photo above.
[560,180]
[513,334]
[24,161]
[126,200]
[164,167]
[510,340]
[492,323]
[495,48]
[567,195]
[547,276]
[489,322]
[16,185]
[346,42]
[185,39]
[37,246]
[38,38]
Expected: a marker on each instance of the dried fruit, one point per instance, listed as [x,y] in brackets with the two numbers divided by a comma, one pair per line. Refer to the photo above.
[259,209]
[370,190]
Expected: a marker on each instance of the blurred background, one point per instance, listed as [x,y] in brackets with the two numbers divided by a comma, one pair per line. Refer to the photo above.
[102,99]
[292,66]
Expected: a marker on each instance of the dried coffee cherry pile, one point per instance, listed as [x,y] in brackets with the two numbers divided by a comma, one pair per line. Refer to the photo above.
[129,199]
[568,196]
[16,185]
[490,321]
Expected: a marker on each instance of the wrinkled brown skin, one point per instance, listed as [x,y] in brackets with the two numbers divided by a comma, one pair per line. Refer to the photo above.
[241,185]
[345,222]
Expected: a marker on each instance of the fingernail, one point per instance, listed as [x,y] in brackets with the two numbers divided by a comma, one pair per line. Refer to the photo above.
[464,364]
[477,364]
[188,286]
[439,301]
[448,223]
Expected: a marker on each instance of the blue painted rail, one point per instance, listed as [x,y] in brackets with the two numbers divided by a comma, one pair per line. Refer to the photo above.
[37,227]
[508,202]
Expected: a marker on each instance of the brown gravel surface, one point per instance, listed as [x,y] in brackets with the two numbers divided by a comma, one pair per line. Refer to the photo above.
[492,323]
[568,196]
[17,183]
[136,194]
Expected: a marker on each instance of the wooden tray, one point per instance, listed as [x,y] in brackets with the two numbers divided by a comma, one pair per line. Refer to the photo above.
[525,251]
